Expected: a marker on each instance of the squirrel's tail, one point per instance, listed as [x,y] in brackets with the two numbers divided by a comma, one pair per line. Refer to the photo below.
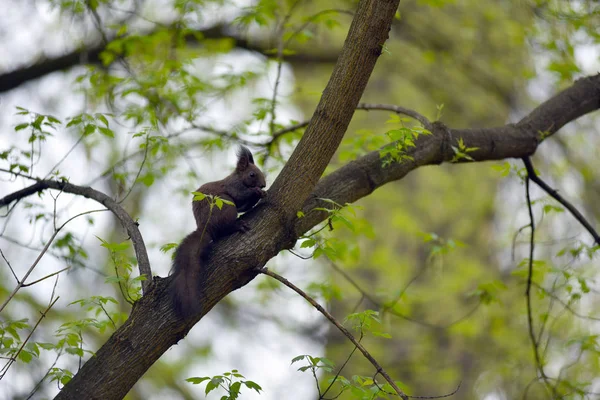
[188,276]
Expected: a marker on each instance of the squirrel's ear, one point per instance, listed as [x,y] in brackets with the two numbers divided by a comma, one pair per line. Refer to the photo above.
[244,158]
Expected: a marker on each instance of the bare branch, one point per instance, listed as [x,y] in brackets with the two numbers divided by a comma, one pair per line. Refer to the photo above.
[398,110]
[582,220]
[345,331]
[130,225]
[45,277]
[534,343]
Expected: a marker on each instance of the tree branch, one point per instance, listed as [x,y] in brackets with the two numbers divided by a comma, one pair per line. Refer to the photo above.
[91,55]
[130,225]
[361,177]
[345,331]
[533,176]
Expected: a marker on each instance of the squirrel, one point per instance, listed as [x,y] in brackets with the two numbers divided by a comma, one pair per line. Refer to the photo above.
[243,188]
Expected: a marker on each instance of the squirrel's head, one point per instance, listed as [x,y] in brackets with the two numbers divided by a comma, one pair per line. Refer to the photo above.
[249,172]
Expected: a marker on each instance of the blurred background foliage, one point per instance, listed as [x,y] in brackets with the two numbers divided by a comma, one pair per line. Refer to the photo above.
[168,87]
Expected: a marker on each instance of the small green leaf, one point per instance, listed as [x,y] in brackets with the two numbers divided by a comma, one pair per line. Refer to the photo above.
[106,132]
[199,196]
[253,385]
[197,380]
[297,358]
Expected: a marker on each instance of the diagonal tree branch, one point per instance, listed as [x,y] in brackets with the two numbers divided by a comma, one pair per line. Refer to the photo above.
[342,329]
[130,225]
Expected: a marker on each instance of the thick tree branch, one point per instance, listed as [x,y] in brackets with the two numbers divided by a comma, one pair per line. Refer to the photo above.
[361,177]
[120,213]
[91,55]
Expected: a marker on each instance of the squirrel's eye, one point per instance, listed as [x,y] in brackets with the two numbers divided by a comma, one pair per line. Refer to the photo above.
[252,174]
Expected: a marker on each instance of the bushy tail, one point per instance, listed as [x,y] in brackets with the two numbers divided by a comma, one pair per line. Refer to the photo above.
[188,275]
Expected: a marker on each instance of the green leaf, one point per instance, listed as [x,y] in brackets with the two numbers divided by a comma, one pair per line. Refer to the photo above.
[147,179]
[165,248]
[88,129]
[25,356]
[198,196]
[234,389]
[382,334]
[21,126]
[197,380]
[213,384]
[253,385]
[298,358]
[106,132]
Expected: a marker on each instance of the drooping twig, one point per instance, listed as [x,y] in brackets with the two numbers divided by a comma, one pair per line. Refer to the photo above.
[345,331]
[552,192]
[534,342]
[130,225]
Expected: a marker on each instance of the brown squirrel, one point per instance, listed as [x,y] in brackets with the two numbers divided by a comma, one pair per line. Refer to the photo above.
[243,188]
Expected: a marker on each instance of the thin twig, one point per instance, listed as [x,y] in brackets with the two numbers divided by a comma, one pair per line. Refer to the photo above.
[398,110]
[14,358]
[534,343]
[41,381]
[322,396]
[387,308]
[280,49]
[139,171]
[21,283]
[439,396]
[345,331]
[552,192]
[9,266]
[45,277]
[310,20]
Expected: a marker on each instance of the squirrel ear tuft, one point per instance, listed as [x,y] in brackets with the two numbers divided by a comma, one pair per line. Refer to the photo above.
[244,152]
[244,158]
